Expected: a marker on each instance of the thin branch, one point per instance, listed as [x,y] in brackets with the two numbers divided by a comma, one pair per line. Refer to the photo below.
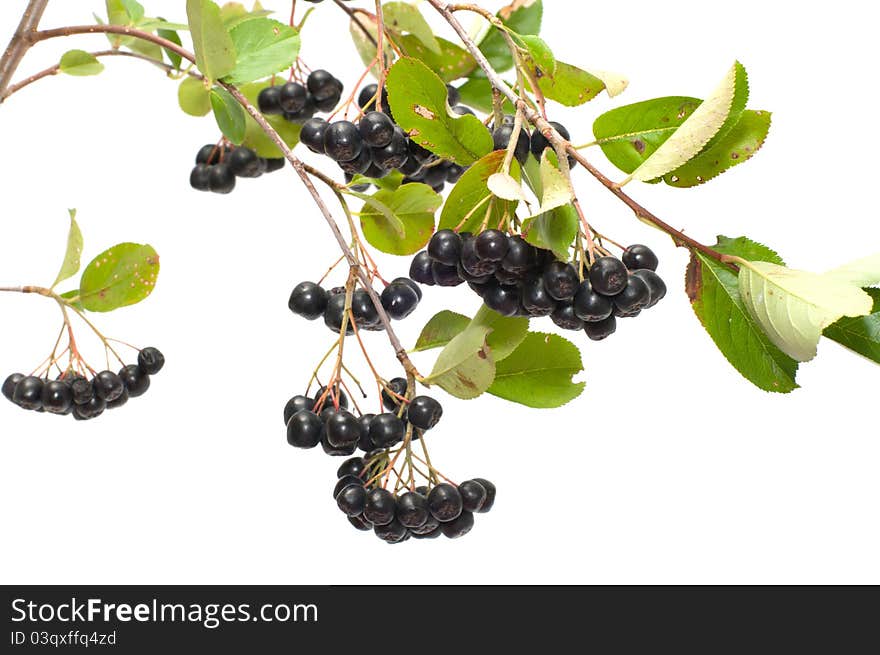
[356,20]
[122,30]
[20,43]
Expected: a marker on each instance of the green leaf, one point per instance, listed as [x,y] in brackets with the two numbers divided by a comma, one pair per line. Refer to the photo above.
[467,200]
[860,334]
[630,134]
[555,230]
[390,182]
[465,368]
[263,47]
[130,14]
[440,330]
[229,115]
[73,297]
[522,17]
[73,252]
[234,13]
[418,100]
[452,63]
[555,187]
[134,9]
[171,35]
[366,47]
[254,137]
[193,97]
[714,294]
[214,50]
[540,53]
[794,307]
[80,63]
[413,205]
[707,120]
[403,17]
[120,276]
[476,93]
[737,146]
[568,85]
[540,372]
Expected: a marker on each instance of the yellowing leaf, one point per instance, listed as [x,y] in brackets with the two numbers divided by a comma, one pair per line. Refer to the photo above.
[794,307]
[693,135]
[556,187]
[615,83]
[862,272]
[505,186]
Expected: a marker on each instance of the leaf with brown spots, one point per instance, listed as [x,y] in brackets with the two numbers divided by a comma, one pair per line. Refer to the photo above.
[568,85]
[120,276]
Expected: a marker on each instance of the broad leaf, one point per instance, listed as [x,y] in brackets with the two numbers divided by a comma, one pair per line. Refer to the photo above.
[235,13]
[418,100]
[506,334]
[467,204]
[555,187]
[476,93]
[540,372]
[568,85]
[701,126]
[229,115]
[440,330]
[403,17]
[194,97]
[522,17]
[465,368]
[73,252]
[794,307]
[214,50]
[555,230]
[451,63]
[80,63]
[714,294]
[862,272]
[413,207]
[860,334]
[263,47]
[540,53]
[255,138]
[120,276]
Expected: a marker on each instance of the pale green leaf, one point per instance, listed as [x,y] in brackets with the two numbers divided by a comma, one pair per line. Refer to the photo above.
[73,252]
[470,198]
[214,50]
[504,186]
[465,368]
[863,272]
[442,328]
[194,97]
[555,186]
[263,47]
[80,63]
[404,17]
[400,222]
[120,276]
[555,230]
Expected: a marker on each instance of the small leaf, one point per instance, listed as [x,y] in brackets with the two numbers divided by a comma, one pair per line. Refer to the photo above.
[229,115]
[521,16]
[452,63]
[539,372]
[540,53]
[440,330]
[403,17]
[860,334]
[171,35]
[465,368]
[555,186]
[504,186]
[193,97]
[120,276]
[568,85]
[468,198]
[255,138]
[714,294]
[263,47]
[413,205]
[794,307]
[418,100]
[555,230]
[698,130]
[73,252]
[214,50]
[80,63]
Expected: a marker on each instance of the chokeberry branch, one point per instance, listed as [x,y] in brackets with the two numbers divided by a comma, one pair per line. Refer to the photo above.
[20,42]
[556,139]
[357,21]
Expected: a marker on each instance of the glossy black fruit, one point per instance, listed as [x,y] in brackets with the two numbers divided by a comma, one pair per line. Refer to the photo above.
[386,430]
[502,299]
[492,245]
[244,162]
[344,482]
[363,309]
[410,283]
[360,523]
[564,317]
[151,360]
[92,409]
[392,402]
[293,98]
[608,276]
[420,153]
[364,442]
[342,141]
[490,495]
[399,300]
[501,139]
[591,306]
[342,429]
[445,247]
[360,164]
[210,153]
[336,451]
[424,412]
[599,330]
[10,383]
[380,507]
[274,163]
[536,300]
[656,285]
[82,390]
[135,380]
[296,404]
[367,98]
[108,386]
[352,500]
[445,276]
[412,510]
[269,101]
[561,280]
[453,97]
[444,502]
[200,177]
[353,466]
[520,257]
[634,296]
[221,179]
[473,495]
[430,529]
[376,129]
[57,398]
[459,526]
[392,532]
[336,397]
[304,429]
[312,134]
[322,84]
[119,401]
[334,313]
[461,110]
[638,256]
[395,154]
[308,300]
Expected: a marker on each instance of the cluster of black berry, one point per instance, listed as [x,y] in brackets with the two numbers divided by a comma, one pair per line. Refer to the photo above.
[377,145]
[311,301]
[425,513]
[298,103]
[217,166]
[86,399]
[325,420]
[515,278]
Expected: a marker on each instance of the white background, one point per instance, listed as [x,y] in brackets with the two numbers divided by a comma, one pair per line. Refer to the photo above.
[670,468]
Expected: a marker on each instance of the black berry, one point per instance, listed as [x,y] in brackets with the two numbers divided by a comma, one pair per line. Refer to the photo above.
[490,495]
[296,404]
[352,500]
[304,429]
[312,134]
[390,401]
[399,300]
[108,386]
[502,299]
[308,300]
[424,412]
[412,510]
[135,380]
[335,397]
[200,177]
[536,300]
[445,247]
[501,138]
[334,314]
[386,430]
[342,141]
[392,532]
[473,495]
[459,526]
[492,245]
[639,256]
[379,507]
[10,383]
[599,330]
[343,429]
[92,409]
[561,280]
[57,398]
[376,129]
[591,306]
[564,317]
[444,502]
[353,466]
[635,295]
[608,276]
[269,101]
[656,285]
[221,179]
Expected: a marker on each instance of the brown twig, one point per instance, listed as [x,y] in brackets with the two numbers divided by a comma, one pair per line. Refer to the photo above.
[20,43]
